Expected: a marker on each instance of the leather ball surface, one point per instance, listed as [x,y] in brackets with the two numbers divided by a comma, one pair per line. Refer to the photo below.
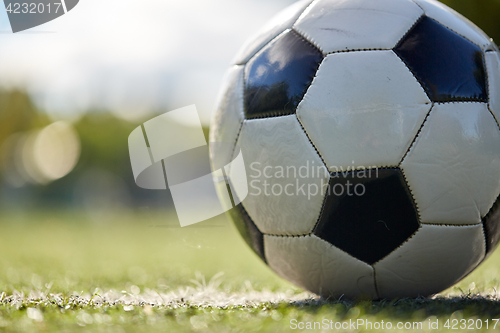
[371,140]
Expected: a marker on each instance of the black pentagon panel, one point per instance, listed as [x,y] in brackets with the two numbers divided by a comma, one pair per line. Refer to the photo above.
[449,67]
[278,76]
[248,230]
[368,213]
[491,225]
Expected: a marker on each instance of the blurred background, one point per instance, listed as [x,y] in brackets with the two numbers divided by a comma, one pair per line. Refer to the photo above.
[72,220]
[72,90]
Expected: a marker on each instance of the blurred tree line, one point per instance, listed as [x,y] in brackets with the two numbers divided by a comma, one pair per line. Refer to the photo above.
[103,174]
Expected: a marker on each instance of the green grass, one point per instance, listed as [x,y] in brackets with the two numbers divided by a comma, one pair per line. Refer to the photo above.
[139,272]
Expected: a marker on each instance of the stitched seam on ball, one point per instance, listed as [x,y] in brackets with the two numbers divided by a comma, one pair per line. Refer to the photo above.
[463,101]
[303,11]
[495,118]
[485,252]
[339,249]
[310,141]
[266,115]
[244,211]
[416,136]
[413,199]
[242,105]
[269,42]
[309,85]
[489,88]
[236,141]
[325,165]
[452,225]
[313,76]
[495,203]
[311,235]
[447,27]
[483,220]
[321,211]
[419,6]
[263,46]
[406,241]
[303,38]
[358,50]
[271,114]
[487,77]
[486,242]
[370,167]
[422,83]
[412,195]
[309,39]
[326,196]
[420,18]
[288,236]
[378,167]
[264,257]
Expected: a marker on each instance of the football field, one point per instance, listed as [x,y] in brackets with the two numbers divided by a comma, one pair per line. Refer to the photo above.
[140,272]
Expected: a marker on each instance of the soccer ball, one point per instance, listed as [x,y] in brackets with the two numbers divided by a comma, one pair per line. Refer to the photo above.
[371,142]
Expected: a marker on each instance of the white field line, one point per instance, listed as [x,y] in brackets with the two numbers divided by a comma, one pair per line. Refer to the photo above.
[201,297]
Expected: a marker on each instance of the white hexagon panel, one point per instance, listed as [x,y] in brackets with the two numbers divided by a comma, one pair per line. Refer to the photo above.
[287,178]
[363,109]
[454,165]
[320,267]
[435,258]
[339,25]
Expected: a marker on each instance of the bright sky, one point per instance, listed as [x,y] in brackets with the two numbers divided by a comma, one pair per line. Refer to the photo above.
[131,55]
